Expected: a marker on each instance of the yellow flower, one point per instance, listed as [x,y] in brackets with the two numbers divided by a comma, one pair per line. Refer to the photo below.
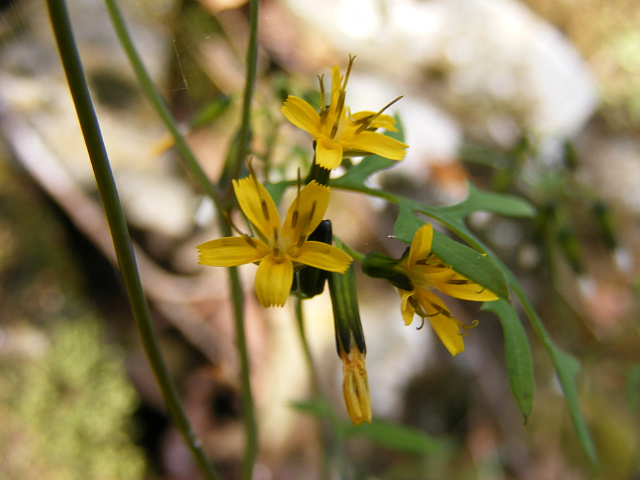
[279,250]
[426,271]
[337,132]
[355,386]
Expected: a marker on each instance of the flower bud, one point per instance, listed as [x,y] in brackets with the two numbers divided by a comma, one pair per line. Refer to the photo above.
[350,345]
[310,279]
[377,265]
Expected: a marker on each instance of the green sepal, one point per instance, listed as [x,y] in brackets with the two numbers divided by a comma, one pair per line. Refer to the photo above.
[310,279]
[377,265]
[346,314]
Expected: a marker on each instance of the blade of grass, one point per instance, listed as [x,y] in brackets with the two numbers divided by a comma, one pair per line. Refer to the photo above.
[119,232]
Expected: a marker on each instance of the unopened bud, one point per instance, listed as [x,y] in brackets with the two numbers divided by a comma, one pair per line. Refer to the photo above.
[350,345]
[377,265]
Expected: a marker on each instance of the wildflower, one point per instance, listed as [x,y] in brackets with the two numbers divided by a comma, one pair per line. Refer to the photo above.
[278,250]
[337,132]
[350,345]
[426,271]
[355,386]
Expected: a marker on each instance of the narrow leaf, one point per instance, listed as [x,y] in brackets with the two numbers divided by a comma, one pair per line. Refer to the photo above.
[465,260]
[395,437]
[478,200]
[470,263]
[407,222]
[567,368]
[517,353]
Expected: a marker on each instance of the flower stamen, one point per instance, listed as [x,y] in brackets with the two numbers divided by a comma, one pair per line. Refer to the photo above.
[365,122]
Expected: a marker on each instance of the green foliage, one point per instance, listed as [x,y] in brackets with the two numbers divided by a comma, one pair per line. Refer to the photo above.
[66,413]
[486,268]
[518,355]
[399,438]
[390,436]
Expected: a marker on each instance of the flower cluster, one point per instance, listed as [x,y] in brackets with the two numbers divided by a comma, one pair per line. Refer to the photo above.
[300,245]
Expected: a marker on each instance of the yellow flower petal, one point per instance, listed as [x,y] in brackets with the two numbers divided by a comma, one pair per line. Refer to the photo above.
[408,310]
[355,386]
[445,326]
[306,212]
[257,205]
[455,285]
[328,153]
[302,115]
[420,246]
[448,333]
[378,144]
[273,280]
[381,121]
[231,251]
[323,256]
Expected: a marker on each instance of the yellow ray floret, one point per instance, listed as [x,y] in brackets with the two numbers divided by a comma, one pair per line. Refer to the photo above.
[427,272]
[337,132]
[278,250]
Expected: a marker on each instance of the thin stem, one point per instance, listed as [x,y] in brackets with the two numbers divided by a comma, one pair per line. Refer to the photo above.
[315,384]
[324,425]
[192,165]
[248,408]
[244,135]
[251,429]
[343,246]
[122,242]
[158,102]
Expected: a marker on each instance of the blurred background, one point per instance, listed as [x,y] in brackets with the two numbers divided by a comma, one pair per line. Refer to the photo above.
[535,98]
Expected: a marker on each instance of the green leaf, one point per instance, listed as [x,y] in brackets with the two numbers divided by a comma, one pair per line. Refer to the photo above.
[211,111]
[567,368]
[464,260]
[407,222]
[317,408]
[517,353]
[470,263]
[478,200]
[395,437]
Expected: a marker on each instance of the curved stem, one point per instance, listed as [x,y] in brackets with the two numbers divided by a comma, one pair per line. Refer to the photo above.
[122,242]
[244,134]
[158,103]
[250,424]
[192,165]
[326,428]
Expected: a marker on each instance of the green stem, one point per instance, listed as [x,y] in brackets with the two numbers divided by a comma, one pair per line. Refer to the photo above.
[250,424]
[329,442]
[192,165]
[357,256]
[158,102]
[248,408]
[315,384]
[122,242]
[244,135]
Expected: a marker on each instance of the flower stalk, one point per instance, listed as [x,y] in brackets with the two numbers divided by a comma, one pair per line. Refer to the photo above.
[119,232]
